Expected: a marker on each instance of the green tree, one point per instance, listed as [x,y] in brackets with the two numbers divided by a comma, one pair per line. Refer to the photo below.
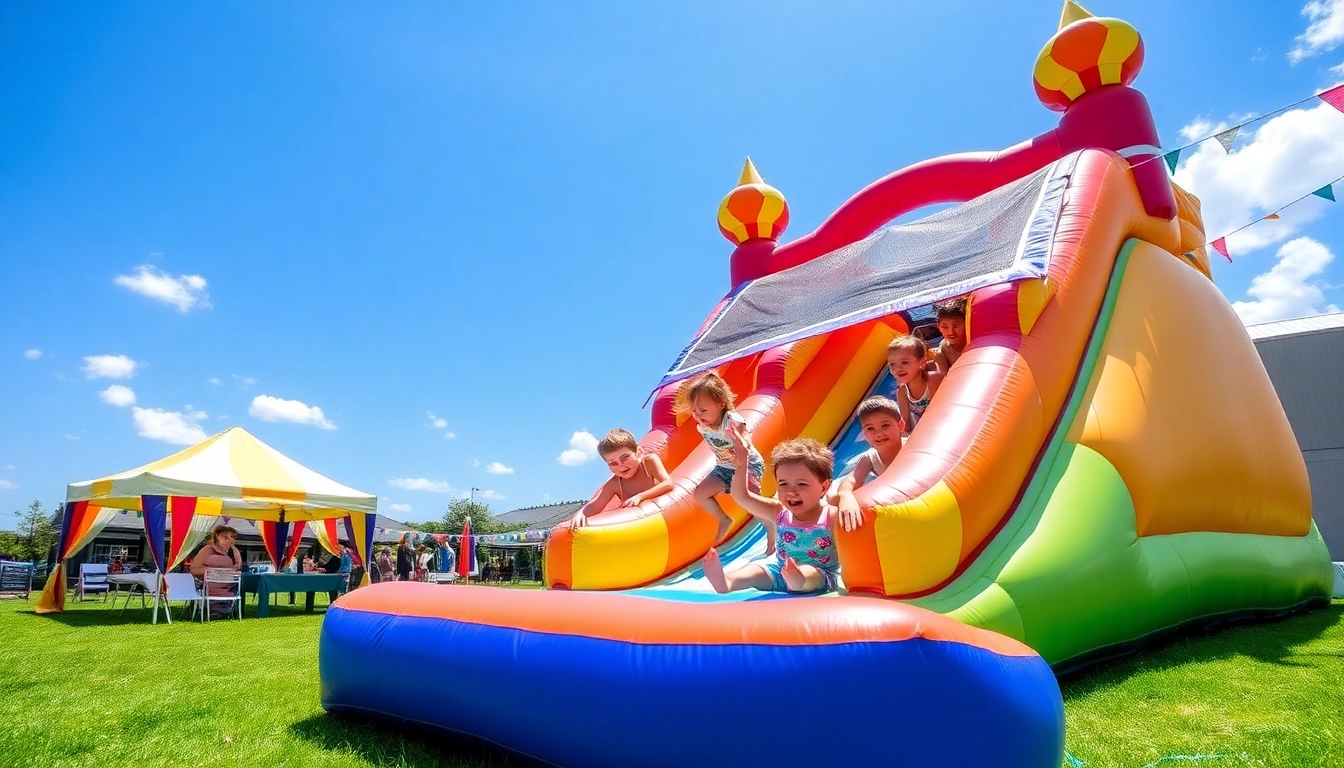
[35,533]
[9,543]
[483,521]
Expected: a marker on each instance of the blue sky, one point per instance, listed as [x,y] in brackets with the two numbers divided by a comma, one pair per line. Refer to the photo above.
[410,244]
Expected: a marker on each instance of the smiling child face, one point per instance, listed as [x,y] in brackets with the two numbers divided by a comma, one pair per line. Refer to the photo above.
[880,430]
[904,366]
[798,489]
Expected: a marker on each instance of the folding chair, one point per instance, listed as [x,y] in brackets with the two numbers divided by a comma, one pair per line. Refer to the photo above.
[93,578]
[218,577]
[182,586]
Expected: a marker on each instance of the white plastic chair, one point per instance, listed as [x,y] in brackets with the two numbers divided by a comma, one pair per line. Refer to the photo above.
[93,578]
[182,586]
[223,576]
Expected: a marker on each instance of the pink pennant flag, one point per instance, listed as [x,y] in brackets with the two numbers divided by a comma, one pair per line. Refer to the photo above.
[1334,97]
[1220,245]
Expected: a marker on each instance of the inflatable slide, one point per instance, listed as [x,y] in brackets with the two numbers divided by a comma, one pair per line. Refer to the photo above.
[1105,464]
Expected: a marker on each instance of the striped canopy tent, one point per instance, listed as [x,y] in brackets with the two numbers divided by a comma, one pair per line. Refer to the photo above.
[231,474]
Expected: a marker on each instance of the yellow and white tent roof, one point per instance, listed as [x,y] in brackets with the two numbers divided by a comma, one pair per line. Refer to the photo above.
[254,481]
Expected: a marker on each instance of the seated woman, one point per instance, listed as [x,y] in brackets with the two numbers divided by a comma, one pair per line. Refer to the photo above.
[219,553]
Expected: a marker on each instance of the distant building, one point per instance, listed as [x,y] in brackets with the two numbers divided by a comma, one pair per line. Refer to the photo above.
[1305,360]
[545,516]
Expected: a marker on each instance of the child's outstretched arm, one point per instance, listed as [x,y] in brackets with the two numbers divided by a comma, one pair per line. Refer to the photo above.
[596,504]
[842,496]
[756,505]
[662,482]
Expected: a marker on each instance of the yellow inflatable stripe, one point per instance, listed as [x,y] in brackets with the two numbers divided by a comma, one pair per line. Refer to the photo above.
[918,541]
[632,553]
[1032,296]
[1053,75]
[800,356]
[1121,41]
[849,388]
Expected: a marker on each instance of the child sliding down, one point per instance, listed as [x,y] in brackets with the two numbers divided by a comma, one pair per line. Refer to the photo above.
[711,405]
[805,553]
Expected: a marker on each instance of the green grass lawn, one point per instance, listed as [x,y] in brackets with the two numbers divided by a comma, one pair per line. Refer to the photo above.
[91,688]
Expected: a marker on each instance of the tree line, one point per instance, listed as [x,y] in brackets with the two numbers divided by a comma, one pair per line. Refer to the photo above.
[35,534]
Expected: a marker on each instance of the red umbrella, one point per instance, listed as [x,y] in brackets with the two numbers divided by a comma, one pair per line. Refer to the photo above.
[466,560]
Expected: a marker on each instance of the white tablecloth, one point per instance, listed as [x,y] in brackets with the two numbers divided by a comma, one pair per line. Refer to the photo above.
[146,581]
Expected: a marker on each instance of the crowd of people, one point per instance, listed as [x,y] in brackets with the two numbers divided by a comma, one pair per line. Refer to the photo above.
[801,517]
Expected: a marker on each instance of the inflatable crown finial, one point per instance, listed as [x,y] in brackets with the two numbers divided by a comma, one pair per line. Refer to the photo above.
[753,210]
[1086,53]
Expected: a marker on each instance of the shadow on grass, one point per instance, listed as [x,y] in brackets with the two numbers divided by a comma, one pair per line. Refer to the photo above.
[388,744]
[1267,640]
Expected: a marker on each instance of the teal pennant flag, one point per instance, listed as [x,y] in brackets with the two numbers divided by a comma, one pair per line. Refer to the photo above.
[1173,157]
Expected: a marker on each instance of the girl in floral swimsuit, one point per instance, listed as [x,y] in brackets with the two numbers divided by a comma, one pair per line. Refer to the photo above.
[805,554]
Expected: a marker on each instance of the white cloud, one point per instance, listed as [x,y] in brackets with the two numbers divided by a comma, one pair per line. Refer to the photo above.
[118,395]
[5,485]
[421,484]
[70,437]
[495,468]
[475,463]
[212,381]
[1289,155]
[582,449]
[1288,290]
[449,435]
[109,367]
[10,467]
[186,292]
[1337,71]
[1325,32]
[269,408]
[435,421]
[398,507]
[491,495]
[178,428]
[244,381]
[32,354]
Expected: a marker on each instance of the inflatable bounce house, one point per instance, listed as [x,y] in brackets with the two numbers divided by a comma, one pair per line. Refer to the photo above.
[1105,464]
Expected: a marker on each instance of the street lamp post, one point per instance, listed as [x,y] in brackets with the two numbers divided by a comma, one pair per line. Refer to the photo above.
[472,500]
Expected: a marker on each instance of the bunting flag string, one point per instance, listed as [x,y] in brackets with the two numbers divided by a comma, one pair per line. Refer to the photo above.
[1334,97]
[1220,245]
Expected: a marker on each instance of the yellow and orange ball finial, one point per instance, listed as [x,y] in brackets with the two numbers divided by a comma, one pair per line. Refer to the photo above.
[753,210]
[1086,53]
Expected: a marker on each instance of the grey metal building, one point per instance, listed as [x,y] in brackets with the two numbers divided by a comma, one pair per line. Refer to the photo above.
[1305,360]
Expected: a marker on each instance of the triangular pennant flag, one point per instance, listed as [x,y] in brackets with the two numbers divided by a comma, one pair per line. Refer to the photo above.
[1328,192]
[1227,137]
[1173,157]
[1220,245]
[1271,217]
[1334,97]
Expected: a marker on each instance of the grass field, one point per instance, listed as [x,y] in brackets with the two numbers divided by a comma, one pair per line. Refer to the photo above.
[91,688]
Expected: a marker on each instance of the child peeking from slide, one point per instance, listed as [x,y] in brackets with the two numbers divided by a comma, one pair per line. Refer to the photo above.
[636,476]
[805,554]
[880,419]
[952,325]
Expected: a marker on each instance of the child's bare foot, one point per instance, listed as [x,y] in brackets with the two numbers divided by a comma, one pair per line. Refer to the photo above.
[714,571]
[793,576]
